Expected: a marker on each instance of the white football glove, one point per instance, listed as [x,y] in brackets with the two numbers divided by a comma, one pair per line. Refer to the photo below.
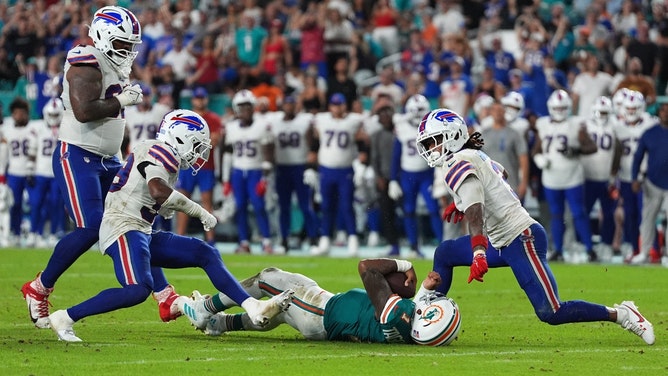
[310,178]
[541,161]
[394,190]
[209,221]
[130,95]
[359,170]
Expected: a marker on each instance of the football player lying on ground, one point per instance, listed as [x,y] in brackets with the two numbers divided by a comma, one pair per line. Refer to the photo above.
[376,314]
[142,189]
[493,211]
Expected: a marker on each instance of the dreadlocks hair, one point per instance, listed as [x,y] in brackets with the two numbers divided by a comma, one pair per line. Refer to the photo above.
[475,141]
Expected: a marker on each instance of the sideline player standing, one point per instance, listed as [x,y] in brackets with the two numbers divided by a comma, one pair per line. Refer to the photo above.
[95,90]
[493,211]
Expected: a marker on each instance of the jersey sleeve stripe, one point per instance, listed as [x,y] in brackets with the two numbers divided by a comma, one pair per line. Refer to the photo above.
[164,157]
[83,59]
[457,173]
[389,307]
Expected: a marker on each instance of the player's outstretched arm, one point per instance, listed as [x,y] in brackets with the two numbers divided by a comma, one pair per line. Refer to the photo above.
[373,271]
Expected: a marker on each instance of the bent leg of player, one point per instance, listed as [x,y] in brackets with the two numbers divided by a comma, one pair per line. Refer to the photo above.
[305,313]
[457,252]
[173,251]
[84,179]
[526,255]
[132,259]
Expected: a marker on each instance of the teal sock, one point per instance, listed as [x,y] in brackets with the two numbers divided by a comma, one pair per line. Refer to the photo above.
[218,304]
[236,322]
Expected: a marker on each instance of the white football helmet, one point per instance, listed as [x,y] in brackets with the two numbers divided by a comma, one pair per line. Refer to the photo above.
[633,106]
[114,23]
[481,103]
[618,100]
[53,112]
[513,103]
[601,110]
[559,105]
[188,133]
[241,97]
[417,106]
[441,133]
[436,320]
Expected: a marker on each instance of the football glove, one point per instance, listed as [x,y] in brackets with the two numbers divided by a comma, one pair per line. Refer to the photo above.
[478,267]
[541,161]
[394,190]
[130,95]
[208,220]
[261,187]
[452,214]
[227,188]
[310,178]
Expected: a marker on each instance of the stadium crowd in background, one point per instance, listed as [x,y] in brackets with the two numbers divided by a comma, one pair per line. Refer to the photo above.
[451,52]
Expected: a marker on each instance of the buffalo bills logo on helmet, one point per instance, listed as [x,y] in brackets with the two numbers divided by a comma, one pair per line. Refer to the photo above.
[113,16]
[191,122]
[446,116]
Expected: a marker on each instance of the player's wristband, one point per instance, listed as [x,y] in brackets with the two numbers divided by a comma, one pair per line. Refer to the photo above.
[478,241]
[403,265]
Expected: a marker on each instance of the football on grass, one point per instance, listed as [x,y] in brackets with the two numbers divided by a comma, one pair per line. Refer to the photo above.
[396,281]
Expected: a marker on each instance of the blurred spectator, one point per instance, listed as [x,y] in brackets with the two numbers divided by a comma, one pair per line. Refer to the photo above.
[531,64]
[636,80]
[489,85]
[9,71]
[312,99]
[589,85]
[449,18]
[313,43]
[645,50]
[498,59]
[249,38]
[275,56]
[206,72]
[338,34]
[266,89]
[384,19]
[23,33]
[340,82]
[457,88]
[388,87]
[180,62]
[627,20]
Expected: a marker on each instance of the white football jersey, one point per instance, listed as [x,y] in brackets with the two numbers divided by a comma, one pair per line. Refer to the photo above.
[290,138]
[104,136]
[405,132]
[371,124]
[143,124]
[129,205]
[19,140]
[597,166]
[520,125]
[45,141]
[505,218]
[628,136]
[247,142]
[563,172]
[338,147]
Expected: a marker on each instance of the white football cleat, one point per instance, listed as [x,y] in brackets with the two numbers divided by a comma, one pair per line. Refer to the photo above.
[373,240]
[218,324]
[193,308]
[630,319]
[353,245]
[61,323]
[340,239]
[264,310]
[323,247]
[639,259]
[38,304]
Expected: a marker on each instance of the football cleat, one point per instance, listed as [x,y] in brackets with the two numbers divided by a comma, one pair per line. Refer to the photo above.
[218,324]
[632,320]
[353,245]
[373,240]
[193,308]
[323,247]
[264,310]
[61,323]
[243,248]
[38,305]
[167,309]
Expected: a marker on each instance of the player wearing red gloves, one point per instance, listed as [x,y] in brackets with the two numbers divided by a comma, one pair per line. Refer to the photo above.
[493,211]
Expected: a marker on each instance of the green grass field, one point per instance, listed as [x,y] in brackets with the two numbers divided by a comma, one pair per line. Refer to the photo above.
[500,334]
